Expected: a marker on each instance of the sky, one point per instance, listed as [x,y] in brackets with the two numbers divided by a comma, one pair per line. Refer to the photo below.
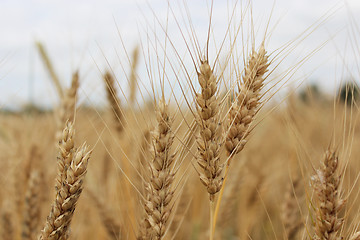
[94,35]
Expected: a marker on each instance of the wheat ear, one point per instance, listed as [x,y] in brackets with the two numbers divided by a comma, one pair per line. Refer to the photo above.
[328,201]
[114,101]
[243,110]
[209,141]
[72,165]
[32,209]
[159,191]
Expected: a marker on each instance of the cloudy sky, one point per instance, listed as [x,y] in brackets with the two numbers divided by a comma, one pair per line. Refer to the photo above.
[89,34]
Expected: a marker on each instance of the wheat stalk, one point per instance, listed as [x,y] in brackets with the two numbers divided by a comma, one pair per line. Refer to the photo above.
[72,166]
[159,191]
[245,107]
[209,141]
[243,110]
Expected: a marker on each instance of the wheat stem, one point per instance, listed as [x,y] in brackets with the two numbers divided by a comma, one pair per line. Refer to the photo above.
[212,229]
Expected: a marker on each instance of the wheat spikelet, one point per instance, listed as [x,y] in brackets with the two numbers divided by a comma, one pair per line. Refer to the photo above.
[244,108]
[328,201]
[114,101]
[66,147]
[159,193]
[290,211]
[209,141]
[72,165]
[32,208]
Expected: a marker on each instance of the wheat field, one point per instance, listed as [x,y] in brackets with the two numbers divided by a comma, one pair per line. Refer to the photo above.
[213,141]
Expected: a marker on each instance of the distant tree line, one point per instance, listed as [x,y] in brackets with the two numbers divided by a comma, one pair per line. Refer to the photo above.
[348,93]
